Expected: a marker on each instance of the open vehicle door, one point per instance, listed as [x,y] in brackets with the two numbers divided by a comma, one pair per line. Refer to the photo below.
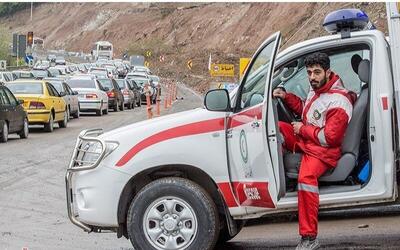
[254,179]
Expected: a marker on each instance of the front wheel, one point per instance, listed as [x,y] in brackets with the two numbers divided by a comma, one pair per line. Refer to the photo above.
[173,213]
[4,134]
[63,123]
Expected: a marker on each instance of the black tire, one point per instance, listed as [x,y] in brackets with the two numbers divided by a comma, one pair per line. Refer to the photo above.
[23,134]
[224,235]
[116,107]
[4,134]
[49,126]
[133,105]
[122,106]
[105,112]
[129,105]
[68,114]
[139,103]
[77,114]
[63,123]
[99,112]
[198,203]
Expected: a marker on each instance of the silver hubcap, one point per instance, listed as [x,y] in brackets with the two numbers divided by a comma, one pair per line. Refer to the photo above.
[170,223]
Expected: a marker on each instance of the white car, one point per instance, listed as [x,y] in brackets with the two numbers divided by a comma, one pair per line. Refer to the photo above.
[92,96]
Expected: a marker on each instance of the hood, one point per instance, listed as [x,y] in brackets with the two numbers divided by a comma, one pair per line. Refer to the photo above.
[147,128]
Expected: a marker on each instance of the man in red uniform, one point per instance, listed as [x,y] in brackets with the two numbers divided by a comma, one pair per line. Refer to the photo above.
[325,115]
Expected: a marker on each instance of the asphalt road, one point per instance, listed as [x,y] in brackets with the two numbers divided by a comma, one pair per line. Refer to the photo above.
[33,207]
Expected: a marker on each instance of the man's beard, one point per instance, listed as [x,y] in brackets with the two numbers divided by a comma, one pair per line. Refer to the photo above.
[320,84]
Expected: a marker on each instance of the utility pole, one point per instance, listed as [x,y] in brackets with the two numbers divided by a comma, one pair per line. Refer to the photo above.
[31,10]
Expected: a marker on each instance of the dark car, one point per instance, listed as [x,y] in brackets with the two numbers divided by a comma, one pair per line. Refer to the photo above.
[136,91]
[13,118]
[115,97]
[141,82]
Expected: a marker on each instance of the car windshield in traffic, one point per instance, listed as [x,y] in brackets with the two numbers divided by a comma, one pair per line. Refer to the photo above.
[140,81]
[26,88]
[81,83]
[155,78]
[106,83]
[40,73]
[121,83]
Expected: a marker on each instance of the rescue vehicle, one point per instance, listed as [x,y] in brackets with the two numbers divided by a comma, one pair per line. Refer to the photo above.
[190,179]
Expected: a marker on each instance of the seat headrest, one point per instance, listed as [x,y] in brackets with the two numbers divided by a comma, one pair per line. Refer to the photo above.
[364,71]
[355,61]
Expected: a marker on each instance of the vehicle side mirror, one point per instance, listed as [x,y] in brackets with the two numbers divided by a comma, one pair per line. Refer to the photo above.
[75,92]
[63,94]
[106,89]
[20,101]
[217,100]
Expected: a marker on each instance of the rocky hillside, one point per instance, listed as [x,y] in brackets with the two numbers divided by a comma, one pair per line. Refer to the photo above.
[180,31]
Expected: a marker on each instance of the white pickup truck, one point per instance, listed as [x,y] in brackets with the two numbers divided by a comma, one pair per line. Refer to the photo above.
[188,180]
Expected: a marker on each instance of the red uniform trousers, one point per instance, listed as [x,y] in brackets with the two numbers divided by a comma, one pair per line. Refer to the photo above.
[311,168]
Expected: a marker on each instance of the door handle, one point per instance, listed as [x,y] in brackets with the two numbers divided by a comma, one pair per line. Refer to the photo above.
[255,124]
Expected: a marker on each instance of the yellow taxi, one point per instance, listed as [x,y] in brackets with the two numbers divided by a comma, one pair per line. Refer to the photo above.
[42,102]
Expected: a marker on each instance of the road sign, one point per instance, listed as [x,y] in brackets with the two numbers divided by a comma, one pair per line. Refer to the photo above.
[3,65]
[243,65]
[162,58]
[190,64]
[28,59]
[148,54]
[222,69]
[147,64]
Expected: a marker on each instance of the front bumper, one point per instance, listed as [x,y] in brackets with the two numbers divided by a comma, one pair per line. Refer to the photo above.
[93,191]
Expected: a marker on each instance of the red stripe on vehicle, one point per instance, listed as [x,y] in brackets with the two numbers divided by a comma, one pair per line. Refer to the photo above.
[180,131]
[254,194]
[225,188]
[385,104]
[245,117]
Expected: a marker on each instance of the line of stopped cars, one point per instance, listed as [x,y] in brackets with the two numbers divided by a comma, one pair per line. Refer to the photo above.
[52,94]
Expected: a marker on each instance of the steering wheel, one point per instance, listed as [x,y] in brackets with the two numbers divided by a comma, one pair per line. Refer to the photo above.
[288,115]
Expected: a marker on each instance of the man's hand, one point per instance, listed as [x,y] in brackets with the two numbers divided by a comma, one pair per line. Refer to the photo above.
[279,92]
[296,127]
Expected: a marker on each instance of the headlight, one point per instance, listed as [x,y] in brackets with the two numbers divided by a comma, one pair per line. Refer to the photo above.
[90,152]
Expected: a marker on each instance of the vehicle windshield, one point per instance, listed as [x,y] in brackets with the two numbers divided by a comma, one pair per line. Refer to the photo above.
[140,81]
[26,88]
[40,73]
[81,83]
[106,83]
[121,83]
[155,78]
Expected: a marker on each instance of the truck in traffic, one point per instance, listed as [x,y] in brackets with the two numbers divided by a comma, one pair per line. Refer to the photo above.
[188,180]
[102,50]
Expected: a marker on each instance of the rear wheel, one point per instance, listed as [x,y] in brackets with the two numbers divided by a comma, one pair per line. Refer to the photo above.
[63,123]
[129,105]
[49,126]
[122,106]
[4,134]
[173,213]
[116,107]
[23,134]
[76,114]
[99,112]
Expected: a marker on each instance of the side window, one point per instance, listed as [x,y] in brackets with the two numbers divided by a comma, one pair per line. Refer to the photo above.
[11,97]
[55,92]
[50,90]
[254,84]
[299,85]
[67,89]
[4,98]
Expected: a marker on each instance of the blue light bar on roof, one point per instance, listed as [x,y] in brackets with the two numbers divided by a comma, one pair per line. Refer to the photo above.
[346,20]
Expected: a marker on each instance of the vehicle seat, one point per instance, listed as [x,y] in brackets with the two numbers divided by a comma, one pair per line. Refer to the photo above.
[351,142]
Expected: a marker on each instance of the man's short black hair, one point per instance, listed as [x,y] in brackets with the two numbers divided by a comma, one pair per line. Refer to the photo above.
[318,58]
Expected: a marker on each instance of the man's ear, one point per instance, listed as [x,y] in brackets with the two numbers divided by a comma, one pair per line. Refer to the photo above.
[328,72]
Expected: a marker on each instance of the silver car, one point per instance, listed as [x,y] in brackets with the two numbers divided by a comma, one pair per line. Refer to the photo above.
[92,96]
[70,97]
